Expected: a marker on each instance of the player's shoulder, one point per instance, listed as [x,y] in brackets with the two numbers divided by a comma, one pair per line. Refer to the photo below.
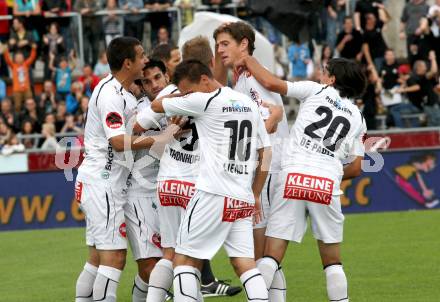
[108,88]
[170,89]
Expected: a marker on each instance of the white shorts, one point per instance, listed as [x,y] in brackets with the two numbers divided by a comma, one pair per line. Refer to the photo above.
[212,221]
[142,222]
[267,195]
[301,196]
[173,196]
[103,208]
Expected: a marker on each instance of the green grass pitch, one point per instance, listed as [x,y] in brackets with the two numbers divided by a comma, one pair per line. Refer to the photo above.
[387,257]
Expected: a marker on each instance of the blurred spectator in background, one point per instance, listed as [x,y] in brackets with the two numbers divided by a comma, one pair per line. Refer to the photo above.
[48,132]
[10,144]
[31,112]
[374,44]
[70,126]
[335,11]
[281,61]
[133,21]
[422,43]
[27,128]
[169,55]
[5,133]
[326,55]
[161,17]
[410,26]
[2,89]
[52,8]
[72,99]
[60,115]
[88,79]
[21,83]
[434,17]
[26,8]
[53,44]
[63,74]
[9,116]
[47,100]
[20,39]
[365,7]
[163,36]
[299,57]
[102,69]
[91,28]
[349,41]
[4,36]
[187,8]
[113,24]
[82,110]
[368,102]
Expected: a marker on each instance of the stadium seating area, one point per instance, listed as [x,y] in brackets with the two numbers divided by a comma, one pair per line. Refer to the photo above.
[48,71]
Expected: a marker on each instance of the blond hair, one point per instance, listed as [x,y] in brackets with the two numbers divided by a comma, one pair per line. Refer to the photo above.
[199,49]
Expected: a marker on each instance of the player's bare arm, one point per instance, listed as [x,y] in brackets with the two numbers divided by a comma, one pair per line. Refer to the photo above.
[263,76]
[264,159]
[353,169]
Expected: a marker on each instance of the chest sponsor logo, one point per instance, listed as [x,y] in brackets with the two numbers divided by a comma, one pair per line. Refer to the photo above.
[78,191]
[307,187]
[175,193]
[236,209]
[113,120]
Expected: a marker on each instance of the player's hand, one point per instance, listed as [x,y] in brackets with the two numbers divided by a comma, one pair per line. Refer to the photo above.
[180,121]
[241,62]
[428,194]
[258,213]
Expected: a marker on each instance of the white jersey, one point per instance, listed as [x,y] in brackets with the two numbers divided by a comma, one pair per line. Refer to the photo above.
[180,159]
[328,130]
[110,109]
[230,131]
[142,180]
[248,85]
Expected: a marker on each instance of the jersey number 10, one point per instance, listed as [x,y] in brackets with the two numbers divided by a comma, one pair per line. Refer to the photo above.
[237,145]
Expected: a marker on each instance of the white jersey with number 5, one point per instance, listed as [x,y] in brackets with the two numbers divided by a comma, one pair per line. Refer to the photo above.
[328,130]
[230,131]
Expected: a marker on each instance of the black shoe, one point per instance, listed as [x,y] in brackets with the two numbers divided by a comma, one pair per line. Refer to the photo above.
[169,296]
[220,288]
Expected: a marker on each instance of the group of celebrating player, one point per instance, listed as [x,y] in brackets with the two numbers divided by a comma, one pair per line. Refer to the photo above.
[181,165]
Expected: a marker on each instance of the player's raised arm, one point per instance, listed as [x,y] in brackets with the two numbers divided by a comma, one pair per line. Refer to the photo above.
[265,77]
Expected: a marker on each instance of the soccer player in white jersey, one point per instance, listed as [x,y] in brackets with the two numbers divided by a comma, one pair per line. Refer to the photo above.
[233,40]
[329,129]
[103,173]
[232,141]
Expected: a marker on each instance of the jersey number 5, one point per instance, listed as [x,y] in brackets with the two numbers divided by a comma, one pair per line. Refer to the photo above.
[237,145]
[335,124]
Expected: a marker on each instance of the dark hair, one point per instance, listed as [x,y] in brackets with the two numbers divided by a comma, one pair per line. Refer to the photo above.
[348,17]
[192,70]
[324,46]
[238,32]
[120,49]
[197,48]
[162,52]
[156,63]
[350,80]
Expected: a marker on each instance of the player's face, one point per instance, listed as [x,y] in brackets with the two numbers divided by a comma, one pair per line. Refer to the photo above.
[229,50]
[174,61]
[139,62]
[154,81]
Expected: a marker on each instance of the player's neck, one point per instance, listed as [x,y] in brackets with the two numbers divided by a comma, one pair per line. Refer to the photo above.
[124,79]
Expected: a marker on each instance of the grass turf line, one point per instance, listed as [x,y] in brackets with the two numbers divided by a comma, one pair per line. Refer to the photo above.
[386,256]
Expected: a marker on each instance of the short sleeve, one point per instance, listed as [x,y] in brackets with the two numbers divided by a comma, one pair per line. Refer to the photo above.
[148,119]
[111,113]
[263,139]
[192,104]
[358,147]
[303,89]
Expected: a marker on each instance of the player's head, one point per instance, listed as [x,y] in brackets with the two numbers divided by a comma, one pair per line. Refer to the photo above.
[193,76]
[168,54]
[126,54]
[198,48]
[424,162]
[155,78]
[346,76]
[233,40]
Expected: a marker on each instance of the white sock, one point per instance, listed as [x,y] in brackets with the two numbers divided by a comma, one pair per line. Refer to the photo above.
[267,266]
[254,285]
[277,291]
[336,283]
[106,284]
[199,294]
[161,279]
[140,290]
[186,284]
[84,284]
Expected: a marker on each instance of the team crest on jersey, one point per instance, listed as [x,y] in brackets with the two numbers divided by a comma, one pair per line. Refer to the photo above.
[308,187]
[123,230]
[236,209]
[156,240]
[175,193]
[113,120]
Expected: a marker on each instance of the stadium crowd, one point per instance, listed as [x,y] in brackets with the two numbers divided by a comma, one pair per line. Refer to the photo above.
[402,92]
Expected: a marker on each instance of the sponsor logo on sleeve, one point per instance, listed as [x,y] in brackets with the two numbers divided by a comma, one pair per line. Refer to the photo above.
[123,230]
[78,191]
[307,187]
[175,193]
[235,209]
[113,120]
[156,240]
